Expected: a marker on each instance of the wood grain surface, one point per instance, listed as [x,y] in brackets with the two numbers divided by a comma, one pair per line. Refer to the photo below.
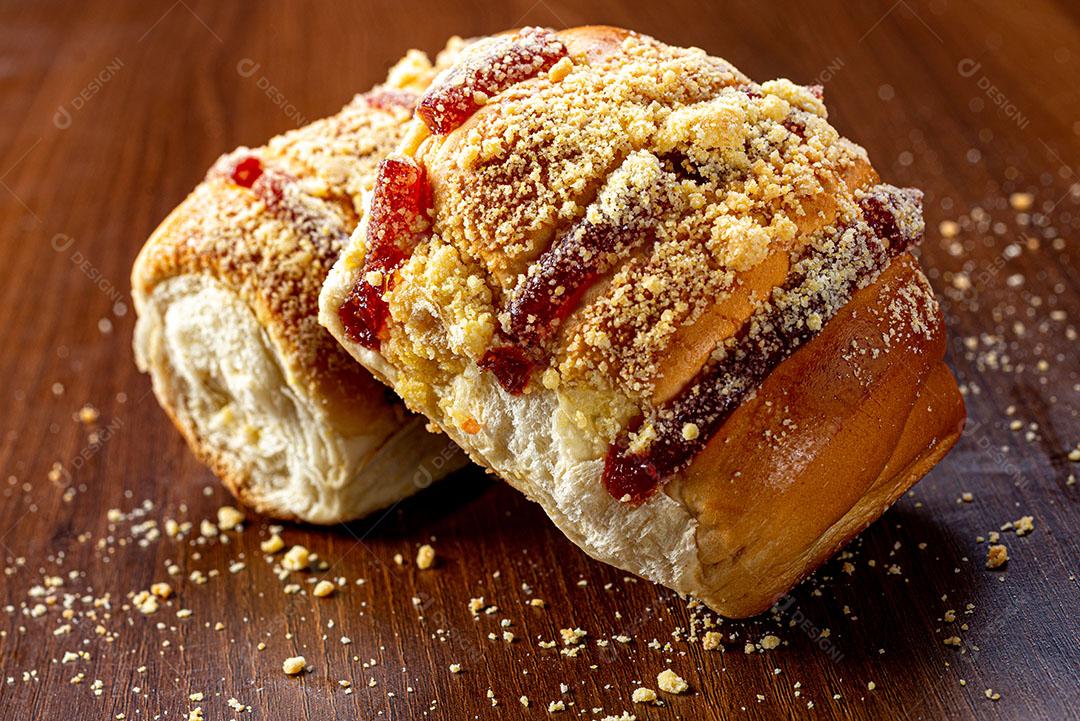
[112,111]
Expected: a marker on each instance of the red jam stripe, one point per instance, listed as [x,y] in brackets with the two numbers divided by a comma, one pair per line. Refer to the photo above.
[781,328]
[401,197]
[399,204]
[238,168]
[551,292]
[563,273]
[577,258]
[894,214]
[795,126]
[503,62]
[510,366]
[389,99]
[246,171]
[282,196]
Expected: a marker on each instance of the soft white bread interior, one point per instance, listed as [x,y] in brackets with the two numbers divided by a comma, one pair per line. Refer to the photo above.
[226,295]
[277,444]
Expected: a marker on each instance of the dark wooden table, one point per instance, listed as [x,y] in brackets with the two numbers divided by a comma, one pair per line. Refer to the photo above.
[111,113]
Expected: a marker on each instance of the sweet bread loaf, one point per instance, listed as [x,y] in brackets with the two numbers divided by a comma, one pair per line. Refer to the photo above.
[226,291]
[671,305]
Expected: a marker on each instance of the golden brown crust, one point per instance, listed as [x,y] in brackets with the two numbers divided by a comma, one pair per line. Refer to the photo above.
[290,440]
[736,172]
[701,209]
[226,231]
[336,156]
[276,259]
[842,424]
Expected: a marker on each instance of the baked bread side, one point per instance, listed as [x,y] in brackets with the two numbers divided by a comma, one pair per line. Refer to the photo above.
[226,293]
[672,305]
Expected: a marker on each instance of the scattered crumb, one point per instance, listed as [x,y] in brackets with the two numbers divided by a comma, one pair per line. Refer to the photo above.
[88,414]
[770,642]
[671,682]
[1021,201]
[996,556]
[146,602]
[1024,525]
[229,518]
[571,636]
[161,590]
[294,665]
[296,559]
[425,557]
[272,544]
